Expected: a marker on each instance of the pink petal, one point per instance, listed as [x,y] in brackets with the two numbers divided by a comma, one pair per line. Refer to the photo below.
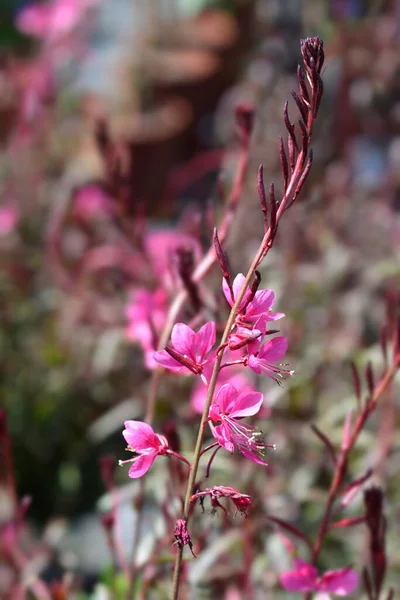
[184,340]
[249,454]
[165,360]
[227,292]
[274,349]
[140,436]
[247,404]
[205,339]
[237,286]
[161,244]
[261,303]
[198,398]
[222,435]
[140,332]
[8,219]
[254,364]
[226,398]
[302,579]
[200,390]
[141,465]
[340,582]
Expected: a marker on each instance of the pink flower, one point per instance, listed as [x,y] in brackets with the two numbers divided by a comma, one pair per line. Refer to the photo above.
[192,350]
[142,440]
[305,578]
[91,201]
[146,315]
[228,408]
[199,394]
[161,245]
[259,309]
[51,20]
[8,219]
[262,359]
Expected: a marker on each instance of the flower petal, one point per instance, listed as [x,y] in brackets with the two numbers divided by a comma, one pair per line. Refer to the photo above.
[274,349]
[204,340]
[226,398]
[237,286]
[340,582]
[247,404]
[222,435]
[249,454]
[184,339]
[141,465]
[302,579]
[261,303]
[227,292]
[140,436]
[165,360]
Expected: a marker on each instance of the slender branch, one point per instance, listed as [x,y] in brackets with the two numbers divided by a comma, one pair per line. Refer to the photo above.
[341,464]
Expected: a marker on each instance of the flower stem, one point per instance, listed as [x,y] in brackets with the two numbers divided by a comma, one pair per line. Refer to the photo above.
[261,253]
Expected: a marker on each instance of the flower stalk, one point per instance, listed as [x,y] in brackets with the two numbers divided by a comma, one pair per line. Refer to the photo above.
[313,56]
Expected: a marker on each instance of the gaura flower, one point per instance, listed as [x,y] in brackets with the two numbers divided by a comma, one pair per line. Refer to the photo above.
[146,314]
[228,408]
[258,309]
[242,502]
[51,20]
[91,201]
[190,351]
[161,245]
[261,359]
[8,219]
[142,440]
[305,578]
[238,380]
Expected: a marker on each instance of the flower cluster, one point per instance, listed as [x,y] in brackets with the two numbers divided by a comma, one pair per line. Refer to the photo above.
[193,352]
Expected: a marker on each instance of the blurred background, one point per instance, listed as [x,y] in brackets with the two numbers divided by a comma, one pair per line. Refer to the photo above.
[116,118]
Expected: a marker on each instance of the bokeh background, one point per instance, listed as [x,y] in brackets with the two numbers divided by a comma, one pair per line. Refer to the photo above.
[161,80]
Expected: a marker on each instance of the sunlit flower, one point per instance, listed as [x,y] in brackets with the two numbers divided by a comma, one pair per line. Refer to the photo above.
[231,433]
[190,351]
[199,394]
[305,578]
[258,309]
[262,359]
[142,440]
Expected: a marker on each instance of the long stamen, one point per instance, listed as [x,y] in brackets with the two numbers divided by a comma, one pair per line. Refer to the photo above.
[248,438]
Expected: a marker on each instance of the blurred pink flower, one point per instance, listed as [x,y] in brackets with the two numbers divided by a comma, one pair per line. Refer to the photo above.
[161,245]
[146,314]
[261,358]
[305,578]
[8,219]
[142,440]
[259,309]
[227,409]
[91,201]
[51,20]
[194,349]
